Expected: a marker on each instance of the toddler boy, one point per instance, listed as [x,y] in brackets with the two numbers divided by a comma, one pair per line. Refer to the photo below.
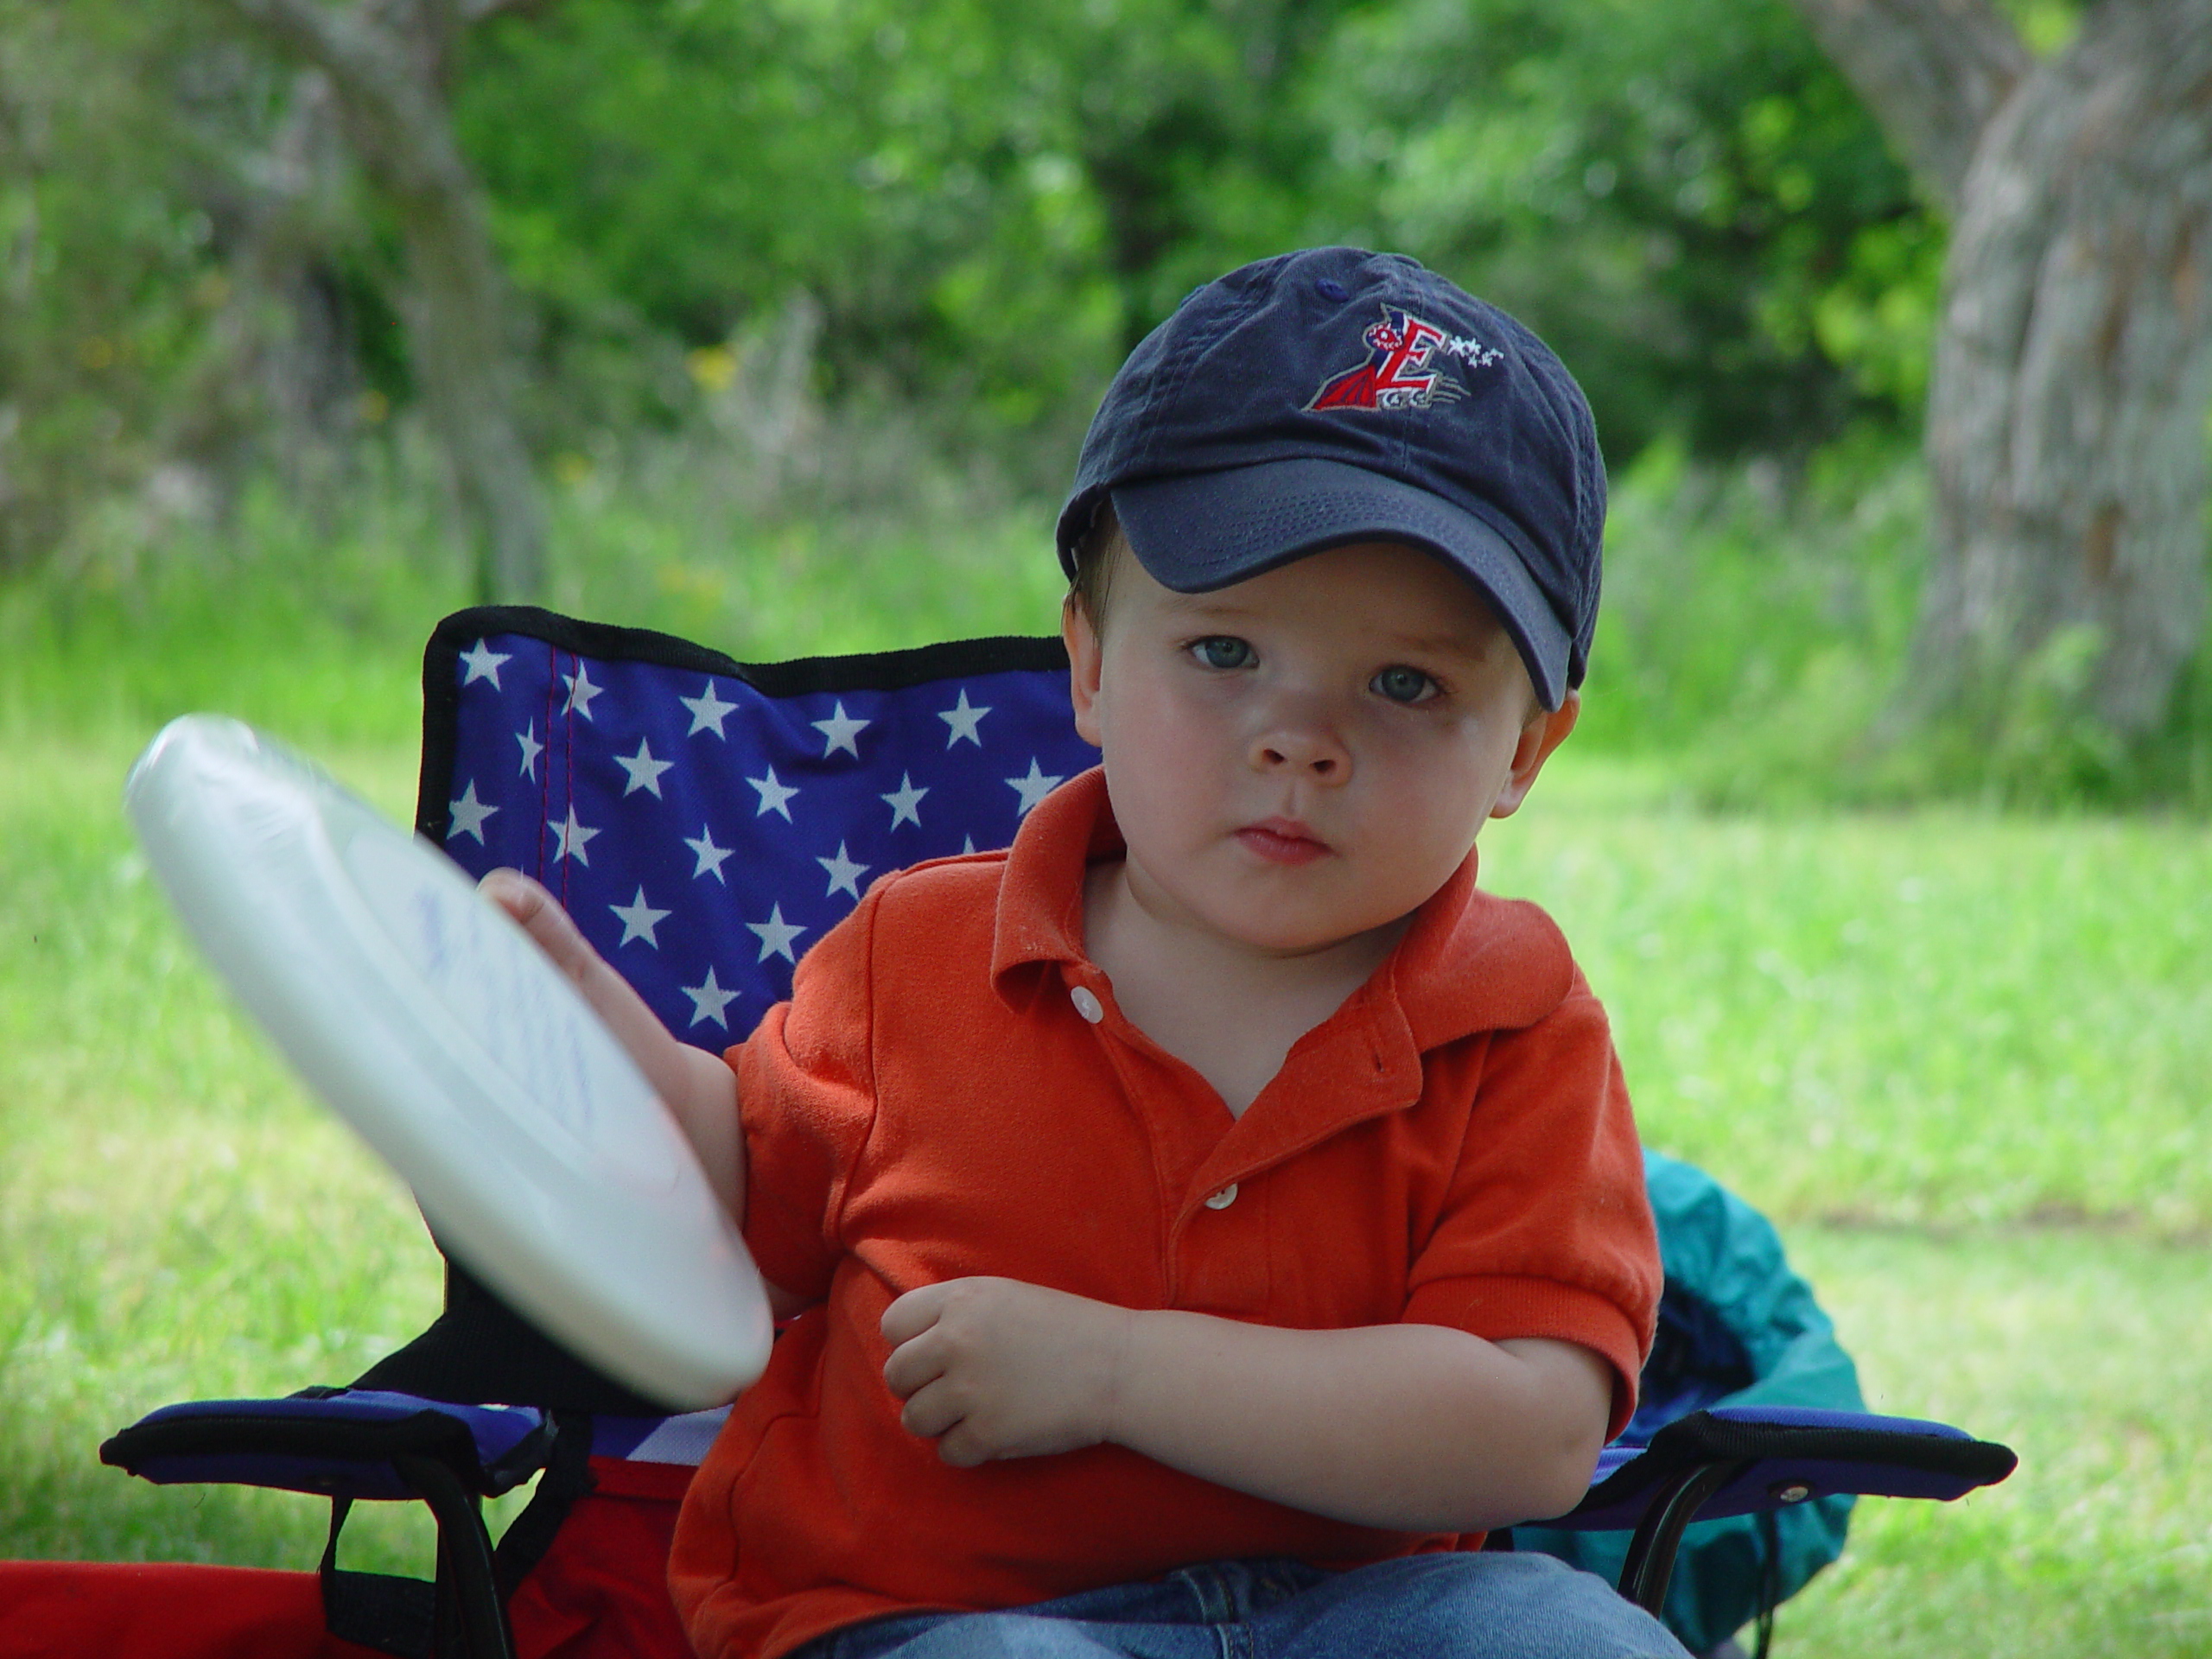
[1206,1218]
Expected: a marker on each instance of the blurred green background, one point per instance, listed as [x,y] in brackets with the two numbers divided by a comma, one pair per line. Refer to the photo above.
[809,301]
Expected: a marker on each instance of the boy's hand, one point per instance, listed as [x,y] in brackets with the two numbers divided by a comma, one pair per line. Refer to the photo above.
[540,915]
[995,1367]
[696,1087]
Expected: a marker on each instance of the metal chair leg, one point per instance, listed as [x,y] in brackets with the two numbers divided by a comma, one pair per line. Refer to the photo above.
[465,1551]
[1650,1562]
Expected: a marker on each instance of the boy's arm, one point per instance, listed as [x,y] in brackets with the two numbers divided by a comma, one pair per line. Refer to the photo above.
[1416,1427]
[698,1087]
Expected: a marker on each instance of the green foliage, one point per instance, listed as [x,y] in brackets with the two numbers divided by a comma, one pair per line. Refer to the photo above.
[988,201]
[798,271]
[996,200]
[312,630]
[1757,627]
[312,625]
[107,275]
[1753,613]
[1687,200]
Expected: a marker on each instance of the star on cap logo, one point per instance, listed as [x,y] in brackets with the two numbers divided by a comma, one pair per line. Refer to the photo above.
[1396,372]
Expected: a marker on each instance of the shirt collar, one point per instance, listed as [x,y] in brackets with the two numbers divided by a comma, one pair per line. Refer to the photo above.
[1470,962]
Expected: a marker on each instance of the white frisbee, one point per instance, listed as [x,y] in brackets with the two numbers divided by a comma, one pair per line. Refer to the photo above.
[428,1019]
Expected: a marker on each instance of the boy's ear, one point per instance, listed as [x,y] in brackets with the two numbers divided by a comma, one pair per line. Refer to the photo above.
[1083,666]
[1545,730]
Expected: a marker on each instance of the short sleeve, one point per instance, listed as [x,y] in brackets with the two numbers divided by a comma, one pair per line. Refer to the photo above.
[806,1098]
[1546,1230]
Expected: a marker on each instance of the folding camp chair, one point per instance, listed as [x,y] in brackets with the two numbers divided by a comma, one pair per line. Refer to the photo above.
[702,821]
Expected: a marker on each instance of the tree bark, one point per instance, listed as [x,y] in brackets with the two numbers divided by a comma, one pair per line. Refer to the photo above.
[2074,366]
[1932,71]
[386,60]
[2073,362]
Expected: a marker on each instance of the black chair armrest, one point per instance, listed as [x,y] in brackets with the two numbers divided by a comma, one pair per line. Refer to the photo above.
[333,1443]
[1743,1460]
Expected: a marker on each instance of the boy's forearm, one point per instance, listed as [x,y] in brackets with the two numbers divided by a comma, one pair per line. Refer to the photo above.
[704,1105]
[1408,1427]
[698,1087]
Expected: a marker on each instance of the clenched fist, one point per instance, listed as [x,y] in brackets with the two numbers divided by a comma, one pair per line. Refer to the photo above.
[995,1367]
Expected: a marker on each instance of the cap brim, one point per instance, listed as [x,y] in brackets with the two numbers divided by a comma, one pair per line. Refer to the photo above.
[1203,530]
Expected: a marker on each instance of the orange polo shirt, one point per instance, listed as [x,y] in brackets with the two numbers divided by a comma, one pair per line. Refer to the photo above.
[951,1090]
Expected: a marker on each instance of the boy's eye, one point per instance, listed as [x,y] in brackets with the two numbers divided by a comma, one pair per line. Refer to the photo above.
[1223,650]
[1403,684]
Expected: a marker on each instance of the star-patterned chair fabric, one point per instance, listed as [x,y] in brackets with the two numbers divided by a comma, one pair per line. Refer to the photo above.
[704,821]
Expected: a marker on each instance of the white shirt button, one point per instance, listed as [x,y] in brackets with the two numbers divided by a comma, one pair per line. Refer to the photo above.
[1086,1004]
[1223,1199]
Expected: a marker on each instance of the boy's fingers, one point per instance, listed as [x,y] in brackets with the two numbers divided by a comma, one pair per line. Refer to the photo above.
[961,1447]
[513,891]
[930,1412]
[912,1314]
[540,915]
[912,1366]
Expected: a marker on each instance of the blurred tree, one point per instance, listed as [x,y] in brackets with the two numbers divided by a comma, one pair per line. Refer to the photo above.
[387,61]
[666,171]
[990,198]
[974,205]
[109,276]
[2066,420]
[1687,200]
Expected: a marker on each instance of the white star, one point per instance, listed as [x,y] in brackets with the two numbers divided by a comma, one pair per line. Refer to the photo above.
[839,731]
[708,712]
[638,920]
[903,800]
[844,874]
[1031,789]
[483,665]
[708,1001]
[773,795]
[645,771]
[572,836]
[776,935]
[581,691]
[531,748]
[964,721]
[710,856]
[967,845]
[468,815]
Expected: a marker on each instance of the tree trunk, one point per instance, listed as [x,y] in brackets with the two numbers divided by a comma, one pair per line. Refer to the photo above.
[283,385]
[2073,358]
[2073,368]
[1932,71]
[386,59]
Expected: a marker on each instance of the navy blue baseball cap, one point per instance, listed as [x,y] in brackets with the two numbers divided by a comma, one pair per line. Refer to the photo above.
[1336,396]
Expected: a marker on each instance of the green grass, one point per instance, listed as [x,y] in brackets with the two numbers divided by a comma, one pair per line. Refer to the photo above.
[2091,1357]
[1959,1056]
[316,633]
[1938,1017]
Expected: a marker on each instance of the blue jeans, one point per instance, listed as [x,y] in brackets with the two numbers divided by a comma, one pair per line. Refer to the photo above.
[1443,1606]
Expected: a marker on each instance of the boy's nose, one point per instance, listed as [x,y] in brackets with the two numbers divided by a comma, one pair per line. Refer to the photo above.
[1307,748]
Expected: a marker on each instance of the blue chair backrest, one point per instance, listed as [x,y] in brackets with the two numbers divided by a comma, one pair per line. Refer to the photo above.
[705,820]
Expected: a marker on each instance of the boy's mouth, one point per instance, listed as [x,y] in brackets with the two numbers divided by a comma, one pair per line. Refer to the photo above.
[1282,841]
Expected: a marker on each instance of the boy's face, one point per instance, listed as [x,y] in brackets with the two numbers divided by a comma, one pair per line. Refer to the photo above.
[1305,756]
